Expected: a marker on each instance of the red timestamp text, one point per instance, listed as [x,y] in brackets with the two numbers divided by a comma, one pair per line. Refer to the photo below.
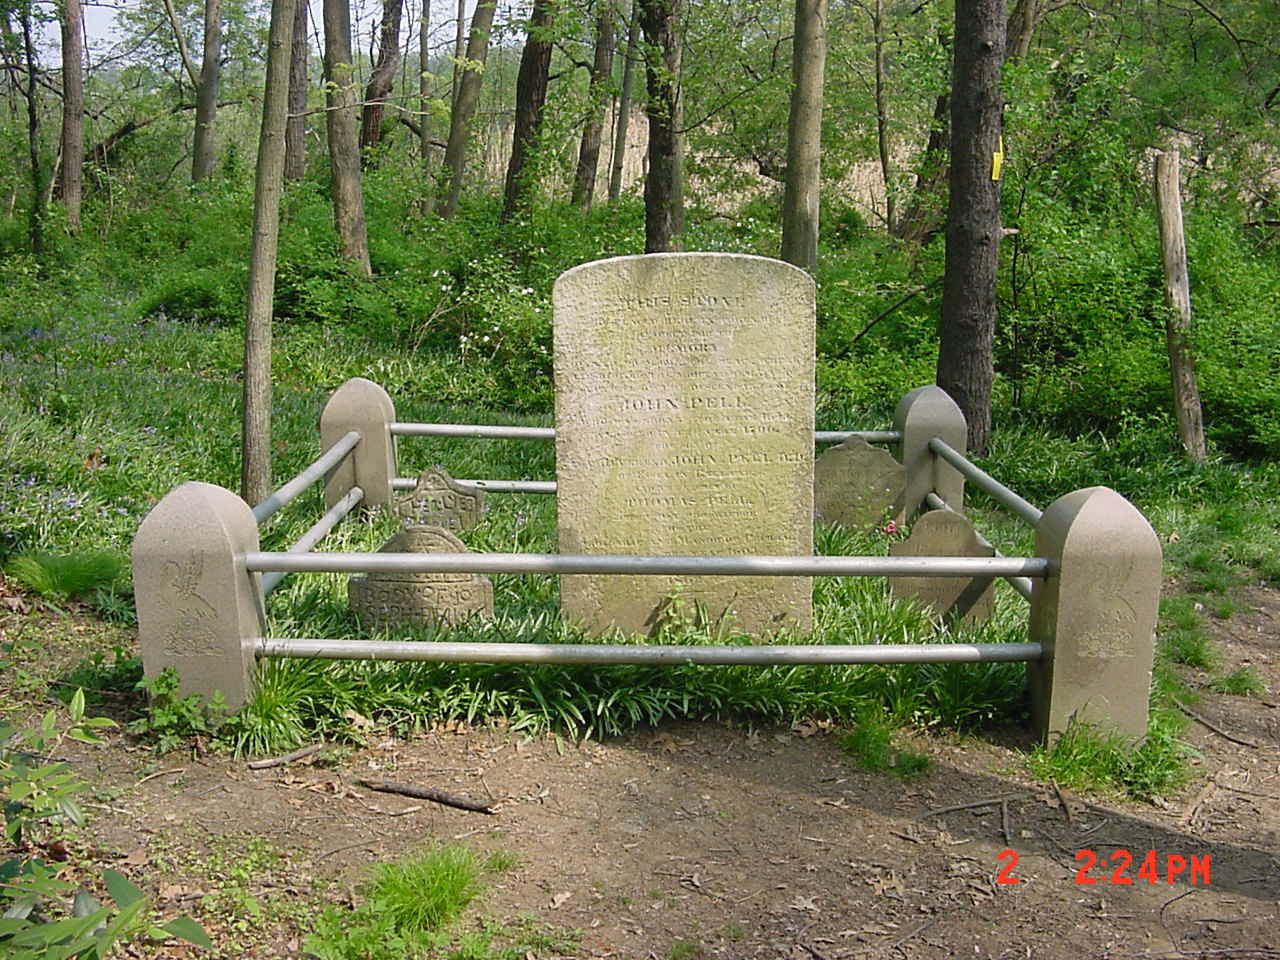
[1123,868]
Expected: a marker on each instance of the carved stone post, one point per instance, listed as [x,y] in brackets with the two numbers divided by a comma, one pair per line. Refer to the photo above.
[1095,614]
[922,414]
[363,406]
[199,610]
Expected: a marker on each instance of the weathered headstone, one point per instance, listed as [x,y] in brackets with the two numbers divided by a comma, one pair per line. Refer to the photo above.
[391,599]
[856,484]
[684,427]
[941,533]
[439,501]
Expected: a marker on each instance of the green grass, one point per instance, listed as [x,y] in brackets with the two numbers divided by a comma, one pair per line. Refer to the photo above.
[1243,682]
[870,743]
[63,576]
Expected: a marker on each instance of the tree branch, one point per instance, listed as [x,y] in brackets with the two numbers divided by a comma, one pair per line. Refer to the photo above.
[182,44]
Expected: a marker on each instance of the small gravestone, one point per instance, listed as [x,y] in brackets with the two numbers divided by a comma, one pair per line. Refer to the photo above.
[857,485]
[390,599]
[941,533]
[440,501]
[684,427]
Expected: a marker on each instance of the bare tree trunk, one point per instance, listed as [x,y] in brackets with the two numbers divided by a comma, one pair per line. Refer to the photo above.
[424,89]
[459,52]
[928,200]
[1177,297]
[344,144]
[383,75]
[35,223]
[664,184]
[803,187]
[965,360]
[181,41]
[882,120]
[204,152]
[584,180]
[255,476]
[72,110]
[531,98]
[624,105]
[295,135]
[1021,27]
[449,189]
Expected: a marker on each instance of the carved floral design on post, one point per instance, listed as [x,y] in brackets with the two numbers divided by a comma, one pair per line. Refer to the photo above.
[440,501]
[393,598]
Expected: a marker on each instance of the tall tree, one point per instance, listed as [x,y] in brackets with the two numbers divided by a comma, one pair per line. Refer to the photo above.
[344,143]
[424,89]
[584,179]
[72,109]
[255,474]
[966,330]
[36,218]
[624,105]
[531,98]
[383,75]
[295,135]
[204,151]
[664,183]
[802,190]
[449,188]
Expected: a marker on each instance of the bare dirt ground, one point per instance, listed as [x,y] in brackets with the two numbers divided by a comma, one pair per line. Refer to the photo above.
[712,841]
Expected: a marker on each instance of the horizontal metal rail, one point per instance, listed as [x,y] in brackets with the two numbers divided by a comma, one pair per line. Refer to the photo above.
[1022,585]
[569,563]
[322,465]
[998,491]
[317,532]
[488,486]
[503,432]
[620,654]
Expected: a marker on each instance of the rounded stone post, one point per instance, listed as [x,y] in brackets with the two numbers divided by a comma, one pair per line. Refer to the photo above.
[1095,615]
[363,406]
[922,414]
[199,610]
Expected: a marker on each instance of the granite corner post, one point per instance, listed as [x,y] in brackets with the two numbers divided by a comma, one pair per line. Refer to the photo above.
[200,610]
[1095,615]
[363,406]
[921,415]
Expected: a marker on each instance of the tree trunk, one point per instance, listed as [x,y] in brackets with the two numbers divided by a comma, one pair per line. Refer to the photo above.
[664,183]
[35,223]
[459,52]
[624,106]
[383,75]
[295,133]
[344,144]
[255,477]
[531,98]
[449,189]
[204,151]
[967,326]
[1020,28]
[424,90]
[928,200]
[882,120]
[803,188]
[72,110]
[584,180]
[1177,297]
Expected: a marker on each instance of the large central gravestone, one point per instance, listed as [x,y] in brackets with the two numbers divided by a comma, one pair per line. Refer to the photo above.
[684,426]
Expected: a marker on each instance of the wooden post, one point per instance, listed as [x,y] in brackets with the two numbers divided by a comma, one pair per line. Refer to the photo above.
[1177,297]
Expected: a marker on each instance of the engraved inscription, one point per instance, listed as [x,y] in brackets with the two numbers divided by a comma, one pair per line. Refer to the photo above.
[394,597]
[438,501]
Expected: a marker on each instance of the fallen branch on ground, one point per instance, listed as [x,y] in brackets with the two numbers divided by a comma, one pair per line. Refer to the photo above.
[428,793]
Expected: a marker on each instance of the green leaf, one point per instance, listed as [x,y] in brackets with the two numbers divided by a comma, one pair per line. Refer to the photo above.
[190,931]
[84,904]
[77,705]
[122,891]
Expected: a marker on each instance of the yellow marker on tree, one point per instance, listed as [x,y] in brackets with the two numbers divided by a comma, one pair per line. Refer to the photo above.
[997,159]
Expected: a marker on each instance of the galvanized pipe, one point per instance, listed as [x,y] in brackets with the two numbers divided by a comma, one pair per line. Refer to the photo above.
[620,654]
[317,532]
[568,563]
[998,491]
[487,486]
[502,432]
[1022,585]
[322,465]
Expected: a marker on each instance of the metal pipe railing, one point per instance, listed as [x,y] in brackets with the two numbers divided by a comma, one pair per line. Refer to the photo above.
[488,486]
[1022,585]
[322,465]
[503,432]
[317,532]
[620,654]
[989,484]
[744,566]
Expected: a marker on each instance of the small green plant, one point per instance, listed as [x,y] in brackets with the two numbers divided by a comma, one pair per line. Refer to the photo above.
[171,720]
[101,681]
[870,742]
[1183,638]
[39,796]
[1243,682]
[59,577]
[686,950]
